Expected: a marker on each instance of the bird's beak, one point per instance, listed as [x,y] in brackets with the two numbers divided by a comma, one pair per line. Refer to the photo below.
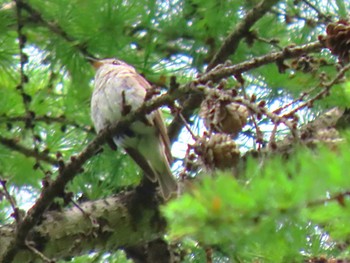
[96,63]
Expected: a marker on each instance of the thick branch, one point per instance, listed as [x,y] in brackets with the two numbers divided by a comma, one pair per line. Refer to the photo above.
[48,194]
[287,53]
[105,225]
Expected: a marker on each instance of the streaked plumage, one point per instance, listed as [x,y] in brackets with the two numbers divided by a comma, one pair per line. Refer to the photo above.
[118,90]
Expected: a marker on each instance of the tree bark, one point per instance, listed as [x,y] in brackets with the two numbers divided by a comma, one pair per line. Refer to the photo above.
[101,225]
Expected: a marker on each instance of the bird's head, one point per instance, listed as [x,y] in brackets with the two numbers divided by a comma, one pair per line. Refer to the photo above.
[98,63]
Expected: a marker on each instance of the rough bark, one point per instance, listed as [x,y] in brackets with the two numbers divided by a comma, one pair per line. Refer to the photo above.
[102,225]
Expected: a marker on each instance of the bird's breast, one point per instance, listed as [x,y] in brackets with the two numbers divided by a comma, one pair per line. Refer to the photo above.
[114,96]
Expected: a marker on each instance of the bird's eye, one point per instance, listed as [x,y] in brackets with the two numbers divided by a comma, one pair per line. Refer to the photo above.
[116,62]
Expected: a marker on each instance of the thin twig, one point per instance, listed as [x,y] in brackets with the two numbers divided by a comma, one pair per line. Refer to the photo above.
[321,94]
[339,197]
[269,41]
[340,74]
[272,141]
[46,119]
[12,201]
[13,145]
[194,137]
[38,253]
[287,105]
[318,11]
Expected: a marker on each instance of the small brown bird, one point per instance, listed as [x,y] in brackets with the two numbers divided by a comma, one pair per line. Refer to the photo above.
[119,90]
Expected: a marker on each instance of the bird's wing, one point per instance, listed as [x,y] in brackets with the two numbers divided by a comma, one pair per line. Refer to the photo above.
[158,122]
[142,162]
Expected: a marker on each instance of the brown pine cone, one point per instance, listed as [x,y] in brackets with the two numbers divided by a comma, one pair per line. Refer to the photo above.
[338,39]
[223,116]
[217,151]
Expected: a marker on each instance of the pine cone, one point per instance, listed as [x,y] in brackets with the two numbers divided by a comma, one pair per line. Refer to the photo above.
[217,151]
[223,116]
[338,39]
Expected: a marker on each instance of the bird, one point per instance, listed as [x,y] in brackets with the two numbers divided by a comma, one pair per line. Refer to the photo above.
[118,91]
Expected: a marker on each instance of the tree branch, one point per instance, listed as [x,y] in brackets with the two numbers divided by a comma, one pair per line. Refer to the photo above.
[13,145]
[106,224]
[37,17]
[46,119]
[242,29]
[288,52]
[224,72]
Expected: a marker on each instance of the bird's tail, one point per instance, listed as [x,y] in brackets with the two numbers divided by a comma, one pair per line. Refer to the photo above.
[156,168]
[167,183]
